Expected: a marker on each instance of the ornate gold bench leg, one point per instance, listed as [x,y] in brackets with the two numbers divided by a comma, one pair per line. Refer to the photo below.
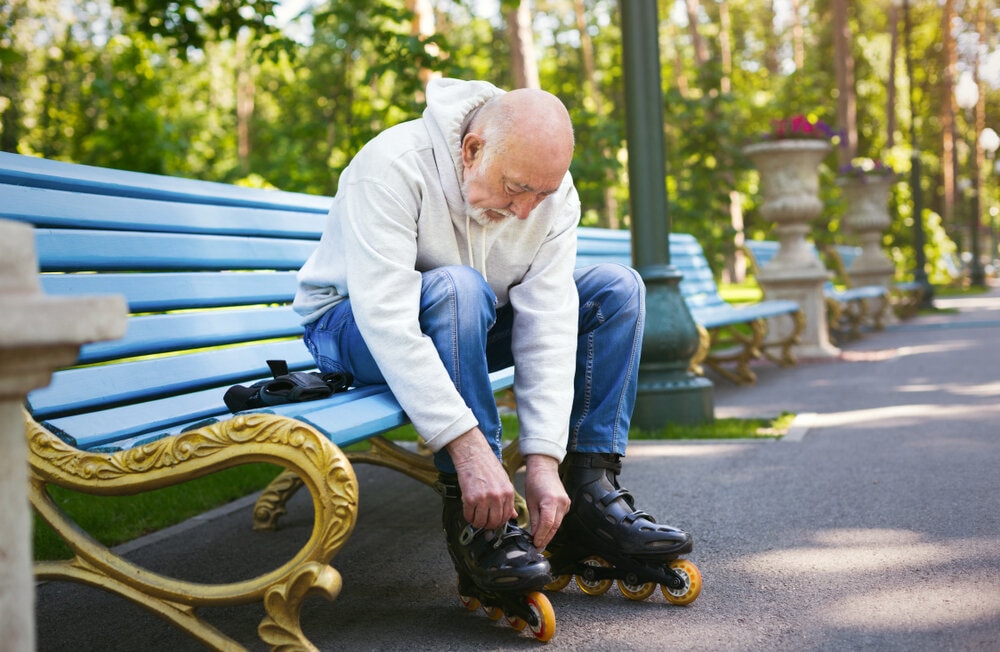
[322,467]
[383,452]
[734,346]
[281,628]
[704,344]
[270,506]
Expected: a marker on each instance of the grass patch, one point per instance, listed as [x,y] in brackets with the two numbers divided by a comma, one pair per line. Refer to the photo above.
[722,429]
[116,519]
[748,292]
[113,520]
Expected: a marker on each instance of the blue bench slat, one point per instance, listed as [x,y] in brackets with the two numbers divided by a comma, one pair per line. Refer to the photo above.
[179,290]
[149,334]
[348,422]
[44,207]
[125,422]
[87,388]
[42,173]
[68,249]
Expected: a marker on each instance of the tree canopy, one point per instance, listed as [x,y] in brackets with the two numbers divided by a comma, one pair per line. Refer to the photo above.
[281,94]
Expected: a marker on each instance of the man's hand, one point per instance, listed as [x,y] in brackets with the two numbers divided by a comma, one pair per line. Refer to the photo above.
[546,497]
[487,492]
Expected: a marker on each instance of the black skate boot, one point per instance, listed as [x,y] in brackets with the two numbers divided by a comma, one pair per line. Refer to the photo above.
[605,538]
[500,570]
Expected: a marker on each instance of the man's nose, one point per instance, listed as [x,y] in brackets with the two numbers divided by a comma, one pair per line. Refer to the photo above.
[523,205]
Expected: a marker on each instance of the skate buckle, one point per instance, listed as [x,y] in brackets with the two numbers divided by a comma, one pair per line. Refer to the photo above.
[468,534]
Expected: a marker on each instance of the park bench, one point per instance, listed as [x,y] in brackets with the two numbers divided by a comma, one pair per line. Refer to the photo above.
[208,271]
[730,336]
[905,296]
[848,310]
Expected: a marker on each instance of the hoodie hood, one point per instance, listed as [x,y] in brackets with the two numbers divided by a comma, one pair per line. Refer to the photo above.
[451,105]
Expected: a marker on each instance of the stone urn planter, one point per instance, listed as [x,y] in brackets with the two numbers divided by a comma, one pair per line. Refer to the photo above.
[789,182]
[867,217]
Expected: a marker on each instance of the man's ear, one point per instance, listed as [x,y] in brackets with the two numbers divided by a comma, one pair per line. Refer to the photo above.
[472,148]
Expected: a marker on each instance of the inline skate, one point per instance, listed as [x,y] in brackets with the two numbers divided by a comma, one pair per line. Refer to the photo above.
[498,570]
[604,538]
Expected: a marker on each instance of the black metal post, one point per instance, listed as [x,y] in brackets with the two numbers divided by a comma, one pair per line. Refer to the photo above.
[668,392]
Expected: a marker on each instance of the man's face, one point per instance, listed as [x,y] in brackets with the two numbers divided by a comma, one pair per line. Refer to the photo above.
[507,184]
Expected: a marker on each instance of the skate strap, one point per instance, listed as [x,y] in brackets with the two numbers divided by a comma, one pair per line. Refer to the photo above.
[448,488]
[597,461]
[625,495]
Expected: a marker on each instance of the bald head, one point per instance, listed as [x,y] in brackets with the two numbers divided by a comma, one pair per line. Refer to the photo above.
[515,153]
[526,119]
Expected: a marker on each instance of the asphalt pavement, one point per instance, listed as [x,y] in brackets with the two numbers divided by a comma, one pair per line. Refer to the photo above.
[873,525]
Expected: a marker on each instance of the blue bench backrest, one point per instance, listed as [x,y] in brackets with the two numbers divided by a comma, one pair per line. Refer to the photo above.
[208,287]
[697,286]
[208,271]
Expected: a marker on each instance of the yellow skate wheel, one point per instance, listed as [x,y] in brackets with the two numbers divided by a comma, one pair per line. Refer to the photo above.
[637,592]
[516,622]
[559,583]
[493,613]
[469,603]
[542,608]
[692,583]
[595,587]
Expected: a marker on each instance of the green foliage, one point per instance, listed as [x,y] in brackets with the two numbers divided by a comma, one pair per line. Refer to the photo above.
[191,24]
[221,91]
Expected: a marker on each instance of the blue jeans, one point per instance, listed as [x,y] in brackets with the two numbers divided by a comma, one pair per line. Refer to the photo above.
[457,300]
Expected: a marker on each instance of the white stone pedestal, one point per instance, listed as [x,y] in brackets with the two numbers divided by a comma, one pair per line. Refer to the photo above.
[38,334]
[805,287]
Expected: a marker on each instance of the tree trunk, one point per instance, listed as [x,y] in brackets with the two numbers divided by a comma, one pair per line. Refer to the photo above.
[844,69]
[798,36]
[949,155]
[522,46]
[593,102]
[700,49]
[422,26]
[244,105]
[890,109]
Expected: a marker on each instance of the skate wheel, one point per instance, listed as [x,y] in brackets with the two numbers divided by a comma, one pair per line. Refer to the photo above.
[594,587]
[544,613]
[493,613]
[559,583]
[517,623]
[469,603]
[637,592]
[692,583]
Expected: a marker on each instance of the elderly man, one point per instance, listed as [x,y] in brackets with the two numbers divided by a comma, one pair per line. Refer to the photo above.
[449,253]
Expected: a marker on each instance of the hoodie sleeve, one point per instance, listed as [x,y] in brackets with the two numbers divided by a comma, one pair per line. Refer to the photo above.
[546,318]
[379,231]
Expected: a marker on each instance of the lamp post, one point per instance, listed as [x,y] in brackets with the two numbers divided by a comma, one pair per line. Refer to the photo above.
[989,142]
[967,98]
[667,391]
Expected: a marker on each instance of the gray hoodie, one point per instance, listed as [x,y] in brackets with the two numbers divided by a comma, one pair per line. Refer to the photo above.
[399,211]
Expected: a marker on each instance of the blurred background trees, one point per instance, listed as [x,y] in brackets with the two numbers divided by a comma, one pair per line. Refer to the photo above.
[281,94]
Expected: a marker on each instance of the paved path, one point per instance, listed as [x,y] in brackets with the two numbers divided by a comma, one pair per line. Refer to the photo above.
[874,526]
